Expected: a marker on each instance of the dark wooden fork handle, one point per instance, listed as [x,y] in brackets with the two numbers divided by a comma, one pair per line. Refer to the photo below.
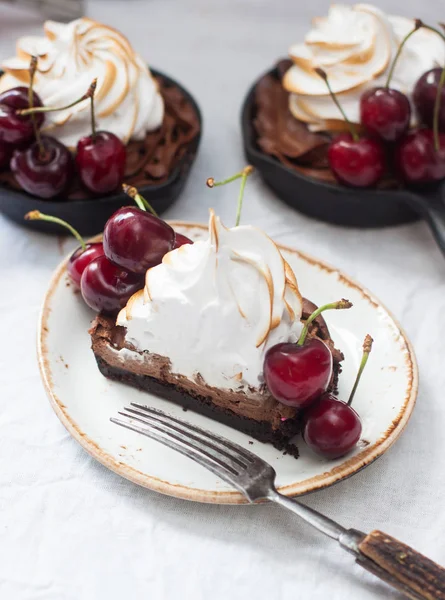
[412,573]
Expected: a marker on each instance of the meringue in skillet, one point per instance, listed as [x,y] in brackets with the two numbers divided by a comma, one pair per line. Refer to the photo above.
[128,101]
[355,45]
[198,332]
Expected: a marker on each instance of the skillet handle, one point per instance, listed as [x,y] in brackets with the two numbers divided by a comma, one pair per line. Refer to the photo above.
[432,208]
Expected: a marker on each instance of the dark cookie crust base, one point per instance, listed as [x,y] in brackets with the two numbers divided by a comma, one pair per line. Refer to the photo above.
[260,430]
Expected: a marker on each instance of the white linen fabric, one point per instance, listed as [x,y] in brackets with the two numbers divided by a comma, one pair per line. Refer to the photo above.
[72,530]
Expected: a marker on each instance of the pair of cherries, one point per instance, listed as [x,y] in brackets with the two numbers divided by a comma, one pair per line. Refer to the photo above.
[108,273]
[385,113]
[42,165]
[299,374]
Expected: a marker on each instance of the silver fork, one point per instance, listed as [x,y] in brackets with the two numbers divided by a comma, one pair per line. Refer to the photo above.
[396,563]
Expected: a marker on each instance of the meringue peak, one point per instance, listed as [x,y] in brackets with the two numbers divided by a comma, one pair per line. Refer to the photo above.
[128,101]
[216,306]
[355,45]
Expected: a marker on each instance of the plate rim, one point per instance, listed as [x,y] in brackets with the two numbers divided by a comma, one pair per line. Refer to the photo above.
[348,468]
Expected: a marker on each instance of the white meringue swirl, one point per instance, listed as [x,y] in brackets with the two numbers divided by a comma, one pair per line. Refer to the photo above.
[215,307]
[355,45]
[127,99]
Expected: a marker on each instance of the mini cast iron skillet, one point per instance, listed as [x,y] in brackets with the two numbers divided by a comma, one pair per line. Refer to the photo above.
[338,204]
[89,216]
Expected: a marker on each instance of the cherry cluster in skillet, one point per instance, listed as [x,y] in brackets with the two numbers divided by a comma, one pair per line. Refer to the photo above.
[42,165]
[361,160]
[298,374]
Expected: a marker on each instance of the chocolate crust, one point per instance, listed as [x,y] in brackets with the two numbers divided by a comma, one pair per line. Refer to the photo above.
[260,430]
[254,412]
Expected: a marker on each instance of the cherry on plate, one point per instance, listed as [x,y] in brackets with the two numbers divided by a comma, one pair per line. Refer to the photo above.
[180,240]
[81,258]
[136,240]
[331,427]
[106,287]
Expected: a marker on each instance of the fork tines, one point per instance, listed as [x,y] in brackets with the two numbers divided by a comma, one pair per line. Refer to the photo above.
[226,459]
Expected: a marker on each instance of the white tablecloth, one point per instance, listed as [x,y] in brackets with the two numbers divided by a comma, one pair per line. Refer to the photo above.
[72,530]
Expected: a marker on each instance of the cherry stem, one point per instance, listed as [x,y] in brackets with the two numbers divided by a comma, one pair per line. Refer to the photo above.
[45,109]
[438,94]
[32,72]
[142,203]
[341,304]
[243,175]
[436,113]
[417,25]
[367,346]
[351,128]
[36,215]
[93,120]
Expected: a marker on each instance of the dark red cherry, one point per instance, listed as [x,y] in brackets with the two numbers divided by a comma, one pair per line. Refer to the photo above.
[80,259]
[107,287]
[416,158]
[424,98]
[46,174]
[180,240]
[16,129]
[331,428]
[136,240]
[357,163]
[297,375]
[385,112]
[100,161]
[5,154]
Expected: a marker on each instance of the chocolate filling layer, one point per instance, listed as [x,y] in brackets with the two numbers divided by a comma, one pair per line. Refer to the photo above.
[253,411]
[151,160]
[289,140]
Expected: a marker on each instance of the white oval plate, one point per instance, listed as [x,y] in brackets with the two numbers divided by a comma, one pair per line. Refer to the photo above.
[84,400]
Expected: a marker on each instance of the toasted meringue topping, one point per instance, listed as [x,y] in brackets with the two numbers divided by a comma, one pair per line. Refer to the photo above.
[127,100]
[355,45]
[216,306]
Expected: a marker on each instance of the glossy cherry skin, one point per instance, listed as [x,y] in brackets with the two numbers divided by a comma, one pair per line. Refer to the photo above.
[15,129]
[331,427]
[106,287]
[101,162]
[80,259]
[416,158]
[5,154]
[424,98]
[180,240]
[136,240]
[297,375]
[47,177]
[385,112]
[357,163]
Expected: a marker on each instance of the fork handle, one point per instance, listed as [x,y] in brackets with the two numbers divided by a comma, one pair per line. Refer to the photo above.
[409,571]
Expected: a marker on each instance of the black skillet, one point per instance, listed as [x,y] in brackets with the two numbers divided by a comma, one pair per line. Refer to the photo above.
[338,204]
[90,216]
